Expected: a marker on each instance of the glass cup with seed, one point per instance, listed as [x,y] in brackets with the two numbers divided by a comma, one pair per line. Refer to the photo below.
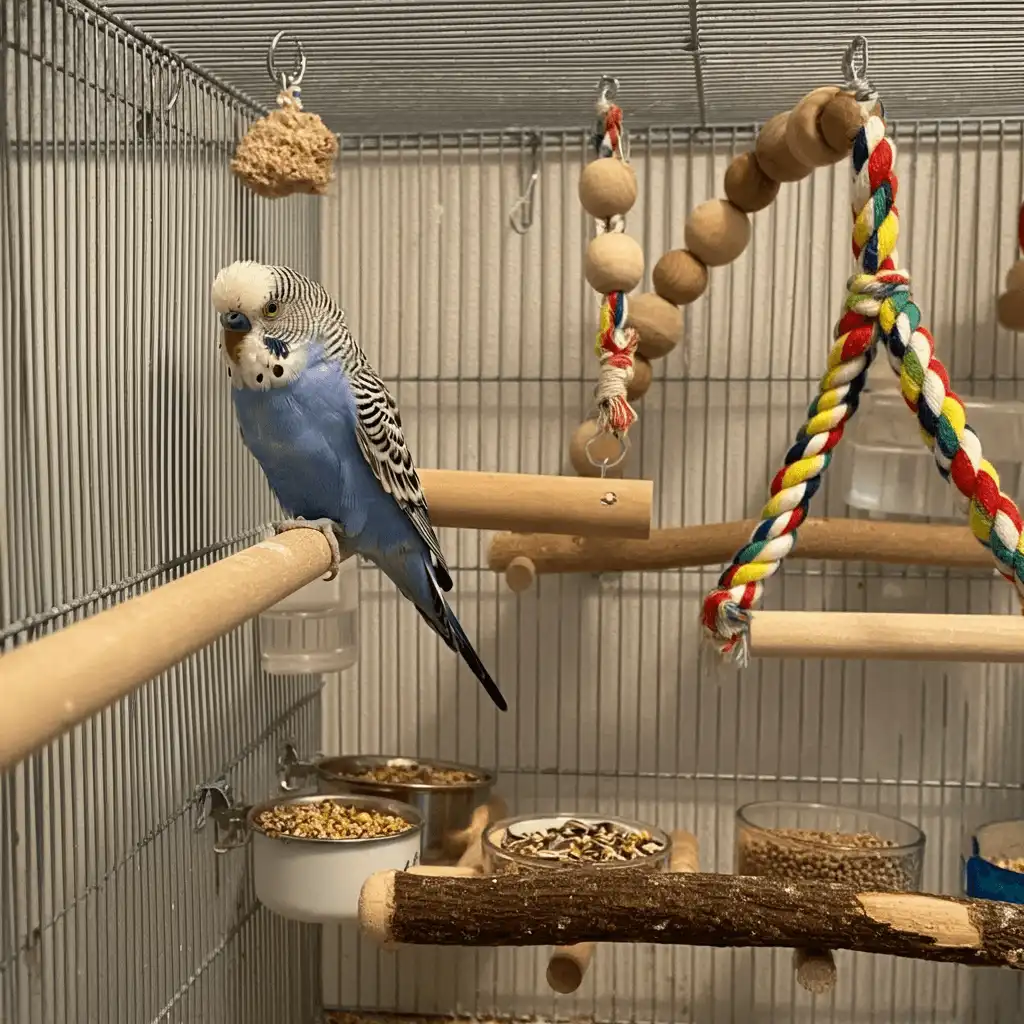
[828,843]
[532,842]
[994,867]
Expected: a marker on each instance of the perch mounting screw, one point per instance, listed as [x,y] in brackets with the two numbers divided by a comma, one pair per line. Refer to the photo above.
[609,498]
[292,771]
[214,800]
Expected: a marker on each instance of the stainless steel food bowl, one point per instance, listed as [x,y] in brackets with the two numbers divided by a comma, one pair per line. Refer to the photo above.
[447,809]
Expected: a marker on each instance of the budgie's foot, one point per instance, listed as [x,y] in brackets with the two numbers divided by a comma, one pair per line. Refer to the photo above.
[327,527]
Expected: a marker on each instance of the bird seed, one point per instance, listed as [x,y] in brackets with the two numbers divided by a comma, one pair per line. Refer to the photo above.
[815,855]
[328,819]
[577,842]
[1009,863]
[412,772]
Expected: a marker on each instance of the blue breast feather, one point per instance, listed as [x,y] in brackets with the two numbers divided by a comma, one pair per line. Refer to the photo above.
[304,437]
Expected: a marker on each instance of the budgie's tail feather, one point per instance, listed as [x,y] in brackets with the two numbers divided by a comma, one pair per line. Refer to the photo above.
[449,629]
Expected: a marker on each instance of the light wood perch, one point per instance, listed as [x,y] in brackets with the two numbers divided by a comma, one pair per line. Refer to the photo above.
[522,556]
[560,908]
[568,964]
[54,683]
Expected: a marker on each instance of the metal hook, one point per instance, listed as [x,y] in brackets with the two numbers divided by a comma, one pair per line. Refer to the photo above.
[608,87]
[286,79]
[607,464]
[175,92]
[520,217]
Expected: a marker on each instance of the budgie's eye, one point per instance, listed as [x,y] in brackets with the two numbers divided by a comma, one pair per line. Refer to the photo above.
[271,309]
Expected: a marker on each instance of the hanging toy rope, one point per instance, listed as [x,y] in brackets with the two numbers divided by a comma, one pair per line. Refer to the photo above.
[614,267]
[289,151]
[726,612]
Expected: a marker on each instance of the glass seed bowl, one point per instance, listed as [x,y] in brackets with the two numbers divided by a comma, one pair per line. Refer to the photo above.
[498,859]
[828,843]
[994,870]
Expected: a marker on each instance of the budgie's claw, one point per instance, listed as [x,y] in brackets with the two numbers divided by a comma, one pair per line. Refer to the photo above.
[327,527]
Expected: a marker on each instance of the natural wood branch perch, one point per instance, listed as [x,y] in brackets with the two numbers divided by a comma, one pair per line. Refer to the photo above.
[844,540]
[561,908]
[880,635]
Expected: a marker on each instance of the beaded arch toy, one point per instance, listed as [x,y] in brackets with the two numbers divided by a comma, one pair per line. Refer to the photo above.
[878,307]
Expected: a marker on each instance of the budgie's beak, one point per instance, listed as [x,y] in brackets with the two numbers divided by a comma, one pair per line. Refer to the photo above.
[236,327]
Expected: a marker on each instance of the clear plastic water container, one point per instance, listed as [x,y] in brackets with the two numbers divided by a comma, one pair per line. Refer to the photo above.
[316,629]
[890,472]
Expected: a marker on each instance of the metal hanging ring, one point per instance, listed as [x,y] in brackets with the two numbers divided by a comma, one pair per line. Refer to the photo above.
[606,464]
[520,217]
[608,86]
[855,60]
[286,79]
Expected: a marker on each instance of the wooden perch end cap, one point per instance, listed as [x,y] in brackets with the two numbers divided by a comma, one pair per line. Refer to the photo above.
[377,907]
[1010,310]
[607,187]
[614,263]
[841,119]
[568,965]
[803,130]
[747,187]
[717,232]
[520,573]
[606,447]
[642,376]
[659,324]
[679,277]
[774,156]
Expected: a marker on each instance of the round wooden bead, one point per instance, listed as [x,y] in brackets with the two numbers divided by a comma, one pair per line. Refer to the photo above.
[747,186]
[803,133]
[679,277]
[604,448]
[1015,277]
[614,263]
[659,324]
[1010,310]
[717,232]
[840,120]
[520,573]
[773,152]
[642,375]
[607,187]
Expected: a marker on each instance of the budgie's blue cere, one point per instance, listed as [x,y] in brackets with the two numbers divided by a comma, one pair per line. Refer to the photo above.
[329,438]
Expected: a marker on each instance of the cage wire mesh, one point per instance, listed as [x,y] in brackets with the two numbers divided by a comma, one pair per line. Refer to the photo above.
[117,214]
[121,469]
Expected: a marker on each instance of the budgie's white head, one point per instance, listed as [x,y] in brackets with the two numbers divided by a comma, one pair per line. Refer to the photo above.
[270,317]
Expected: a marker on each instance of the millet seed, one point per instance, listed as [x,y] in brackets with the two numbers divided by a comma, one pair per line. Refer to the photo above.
[815,855]
[328,819]
[413,772]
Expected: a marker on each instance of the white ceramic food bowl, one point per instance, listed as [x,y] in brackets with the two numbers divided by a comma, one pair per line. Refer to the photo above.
[319,880]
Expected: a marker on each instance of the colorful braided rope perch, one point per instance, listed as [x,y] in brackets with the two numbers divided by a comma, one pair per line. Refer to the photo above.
[878,307]
[616,342]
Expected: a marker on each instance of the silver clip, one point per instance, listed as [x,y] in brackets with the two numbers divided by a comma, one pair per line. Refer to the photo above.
[214,801]
[286,79]
[608,88]
[521,214]
[175,92]
[292,770]
[855,70]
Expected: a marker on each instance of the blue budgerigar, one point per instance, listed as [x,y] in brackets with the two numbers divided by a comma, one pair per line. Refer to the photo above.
[329,438]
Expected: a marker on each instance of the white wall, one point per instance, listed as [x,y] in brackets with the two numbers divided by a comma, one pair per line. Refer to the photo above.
[487,341]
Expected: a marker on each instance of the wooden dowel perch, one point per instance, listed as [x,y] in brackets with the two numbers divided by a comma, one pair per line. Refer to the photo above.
[568,964]
[521,556]
[525,503]
[880,635]
[687,909]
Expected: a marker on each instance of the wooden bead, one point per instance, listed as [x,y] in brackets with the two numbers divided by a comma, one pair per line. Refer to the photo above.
[679,277]
[717,232]
[520,573]
[605,447]
[773,152]
[747,186]
[659,324]
[614,263]
[840,121]
[1010,310]
[1015,277]
[642,375]
[803,133]
[607,187]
